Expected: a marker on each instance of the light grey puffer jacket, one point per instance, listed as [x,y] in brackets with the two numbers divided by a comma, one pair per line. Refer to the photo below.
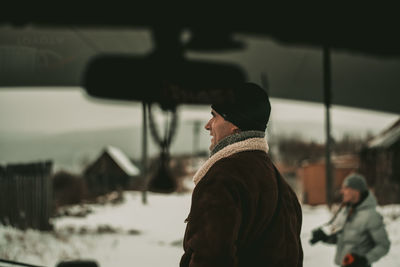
[363,232]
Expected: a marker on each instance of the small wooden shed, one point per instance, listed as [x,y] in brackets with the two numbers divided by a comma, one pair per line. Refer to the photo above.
[111,171]
[313,177]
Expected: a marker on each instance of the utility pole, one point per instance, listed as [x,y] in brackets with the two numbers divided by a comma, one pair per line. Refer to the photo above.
[328,143]
[144,153]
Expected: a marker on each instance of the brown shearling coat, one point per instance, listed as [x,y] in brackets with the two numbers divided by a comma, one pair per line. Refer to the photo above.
[231,221]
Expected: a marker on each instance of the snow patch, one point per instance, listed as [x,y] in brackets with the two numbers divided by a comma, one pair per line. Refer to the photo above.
[131,234]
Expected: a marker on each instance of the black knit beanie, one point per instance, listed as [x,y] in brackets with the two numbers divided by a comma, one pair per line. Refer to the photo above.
[356,181]
[249,109]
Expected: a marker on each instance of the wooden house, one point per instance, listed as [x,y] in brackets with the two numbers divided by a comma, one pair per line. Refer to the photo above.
[380,164]
[112,170]
[313,177]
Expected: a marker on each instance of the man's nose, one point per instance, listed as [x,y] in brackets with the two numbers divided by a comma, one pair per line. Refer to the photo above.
[207,126]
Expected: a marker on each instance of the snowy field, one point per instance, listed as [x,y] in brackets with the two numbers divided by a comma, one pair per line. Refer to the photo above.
[133,234]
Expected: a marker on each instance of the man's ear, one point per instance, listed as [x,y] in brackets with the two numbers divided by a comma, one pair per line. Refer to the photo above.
[235,129]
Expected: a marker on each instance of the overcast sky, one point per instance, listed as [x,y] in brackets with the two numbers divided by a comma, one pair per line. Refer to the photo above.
[69,109]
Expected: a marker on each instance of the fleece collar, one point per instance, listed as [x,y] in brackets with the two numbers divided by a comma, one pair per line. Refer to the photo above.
[237,137]
[245,145]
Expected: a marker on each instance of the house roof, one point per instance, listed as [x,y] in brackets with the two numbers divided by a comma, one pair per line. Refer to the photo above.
[387,138]
[122,160]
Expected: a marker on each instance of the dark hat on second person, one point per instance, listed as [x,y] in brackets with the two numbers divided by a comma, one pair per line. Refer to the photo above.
[356,181]
[249,108]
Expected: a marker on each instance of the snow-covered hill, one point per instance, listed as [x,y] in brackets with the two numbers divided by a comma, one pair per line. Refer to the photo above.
[133,234]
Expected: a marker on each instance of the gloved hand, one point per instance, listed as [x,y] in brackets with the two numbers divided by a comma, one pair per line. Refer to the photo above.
[354,260]
[318,235]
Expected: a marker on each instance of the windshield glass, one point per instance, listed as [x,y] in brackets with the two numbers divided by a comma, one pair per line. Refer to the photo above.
[75,169]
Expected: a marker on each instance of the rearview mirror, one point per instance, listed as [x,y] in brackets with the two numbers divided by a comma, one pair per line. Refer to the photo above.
[168,82]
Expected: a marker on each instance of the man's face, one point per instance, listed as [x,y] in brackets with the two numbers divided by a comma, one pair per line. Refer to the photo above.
[350,195]
[219,128]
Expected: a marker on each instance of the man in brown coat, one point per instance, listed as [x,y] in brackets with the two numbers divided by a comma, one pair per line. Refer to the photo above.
[243,213]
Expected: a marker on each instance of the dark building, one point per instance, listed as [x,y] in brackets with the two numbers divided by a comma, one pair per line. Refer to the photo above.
[111,171]
[380,163]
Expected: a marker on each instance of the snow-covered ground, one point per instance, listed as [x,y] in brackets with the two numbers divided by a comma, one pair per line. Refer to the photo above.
[133,234]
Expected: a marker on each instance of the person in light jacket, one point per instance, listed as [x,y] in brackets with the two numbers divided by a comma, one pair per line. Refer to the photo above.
[358,229]
[243,213]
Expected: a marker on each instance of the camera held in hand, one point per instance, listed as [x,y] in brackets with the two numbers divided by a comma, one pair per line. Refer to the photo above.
[318,235]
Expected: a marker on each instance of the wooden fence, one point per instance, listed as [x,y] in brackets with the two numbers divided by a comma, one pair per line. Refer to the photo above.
[26,195]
